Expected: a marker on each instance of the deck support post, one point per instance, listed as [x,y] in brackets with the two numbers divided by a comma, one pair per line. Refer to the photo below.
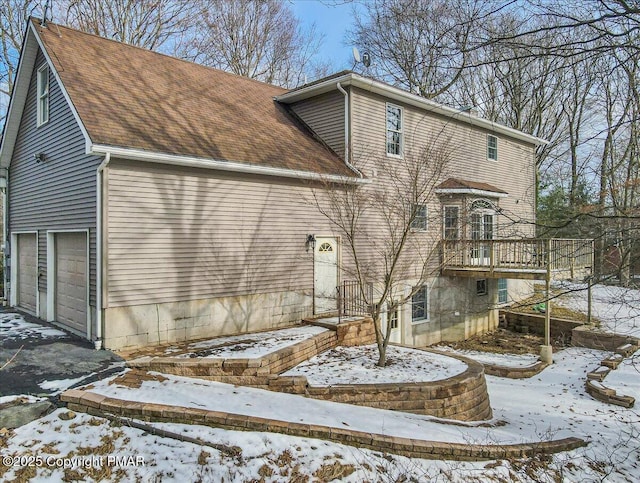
[546,351]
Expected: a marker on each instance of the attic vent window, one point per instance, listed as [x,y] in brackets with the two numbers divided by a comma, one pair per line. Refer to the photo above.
[43,95]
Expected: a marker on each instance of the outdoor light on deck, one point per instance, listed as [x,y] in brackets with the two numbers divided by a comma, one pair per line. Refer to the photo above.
[311,242]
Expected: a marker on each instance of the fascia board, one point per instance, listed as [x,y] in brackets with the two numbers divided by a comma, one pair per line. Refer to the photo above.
[405,97]
[220,165]
[26,65]
[28,53]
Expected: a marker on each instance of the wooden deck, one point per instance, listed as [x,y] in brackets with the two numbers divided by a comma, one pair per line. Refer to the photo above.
[517,258]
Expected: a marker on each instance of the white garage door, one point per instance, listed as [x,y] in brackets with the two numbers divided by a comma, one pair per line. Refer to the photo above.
[27,272]
[71,280]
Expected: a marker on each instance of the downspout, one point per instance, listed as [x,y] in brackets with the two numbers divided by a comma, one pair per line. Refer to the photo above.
[347,154]
[5,237]
[98,342]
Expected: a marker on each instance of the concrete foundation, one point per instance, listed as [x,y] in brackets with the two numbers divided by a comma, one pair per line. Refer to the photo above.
[154,324]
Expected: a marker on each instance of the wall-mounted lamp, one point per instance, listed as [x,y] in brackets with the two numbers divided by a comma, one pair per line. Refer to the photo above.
[311,242]
[39,157]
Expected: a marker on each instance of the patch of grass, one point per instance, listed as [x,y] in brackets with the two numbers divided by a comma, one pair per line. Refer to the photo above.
[202,457]
[333,471]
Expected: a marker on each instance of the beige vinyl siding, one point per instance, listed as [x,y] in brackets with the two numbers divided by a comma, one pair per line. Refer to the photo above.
[513,172]
[178,234]
[324,114]
[59,193]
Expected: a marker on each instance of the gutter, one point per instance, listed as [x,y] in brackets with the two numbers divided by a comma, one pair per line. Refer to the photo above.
[347,153]
[400,95]
[99,338]
[194,162]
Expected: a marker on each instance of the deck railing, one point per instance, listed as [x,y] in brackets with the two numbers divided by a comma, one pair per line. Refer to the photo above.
[521,254]
[352,299]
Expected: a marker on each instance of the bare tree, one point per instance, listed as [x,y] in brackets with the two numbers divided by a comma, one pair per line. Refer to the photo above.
[145,23]
[420,45]
[13,20]
[382,227]
[260,39]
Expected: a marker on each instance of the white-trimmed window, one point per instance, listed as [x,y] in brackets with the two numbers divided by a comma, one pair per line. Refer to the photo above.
[43,94]
[451,222]
[394,130]
[503,291]
[392,317]
[492,147]
[420,305]
[481,287]
[419,222]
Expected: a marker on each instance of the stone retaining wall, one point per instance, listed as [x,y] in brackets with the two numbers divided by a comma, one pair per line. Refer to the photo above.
[515,372]
[463,397]
[98,405]
[246,372]
[359,332]
[586,337]
[534,323]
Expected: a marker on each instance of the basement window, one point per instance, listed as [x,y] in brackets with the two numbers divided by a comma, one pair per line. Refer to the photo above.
[420,305]
[481,287]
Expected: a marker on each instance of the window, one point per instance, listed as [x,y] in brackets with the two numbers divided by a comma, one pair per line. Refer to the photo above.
[43,94]
[492,147]
[503,292]
[392,317]
[451,214]
[394,130]
[325,247]
[420,305]
[481,287]
[419,222]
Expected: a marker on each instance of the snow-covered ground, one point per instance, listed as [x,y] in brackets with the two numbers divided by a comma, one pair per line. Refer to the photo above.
[357,365]
[505,360]
[553,404]
[618,308]
[550,405]
[14,327]
[247,346]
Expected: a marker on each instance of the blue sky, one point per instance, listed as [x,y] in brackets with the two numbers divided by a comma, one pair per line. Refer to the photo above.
[333,21]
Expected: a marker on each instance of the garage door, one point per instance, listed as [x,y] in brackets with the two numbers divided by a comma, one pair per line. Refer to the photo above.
[27,272]
[71,280]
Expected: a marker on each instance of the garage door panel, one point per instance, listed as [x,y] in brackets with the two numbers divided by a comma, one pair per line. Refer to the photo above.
[71,280]
[27,271]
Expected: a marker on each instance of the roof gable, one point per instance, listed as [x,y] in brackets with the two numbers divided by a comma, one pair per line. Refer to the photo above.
[462,186]
[133,98]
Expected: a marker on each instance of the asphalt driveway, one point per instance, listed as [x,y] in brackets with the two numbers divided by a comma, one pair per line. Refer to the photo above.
[47,360]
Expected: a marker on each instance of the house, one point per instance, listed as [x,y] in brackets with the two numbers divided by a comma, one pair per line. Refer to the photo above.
[152,200]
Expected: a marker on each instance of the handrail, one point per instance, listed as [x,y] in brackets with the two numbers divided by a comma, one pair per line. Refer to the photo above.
[525,253]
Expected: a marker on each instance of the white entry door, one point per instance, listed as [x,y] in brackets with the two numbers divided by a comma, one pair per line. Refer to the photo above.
[325,279]
[393,317]
[481,230]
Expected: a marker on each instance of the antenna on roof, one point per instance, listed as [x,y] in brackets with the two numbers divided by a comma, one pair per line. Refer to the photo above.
[365,59]
[44,14]
[356,55]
